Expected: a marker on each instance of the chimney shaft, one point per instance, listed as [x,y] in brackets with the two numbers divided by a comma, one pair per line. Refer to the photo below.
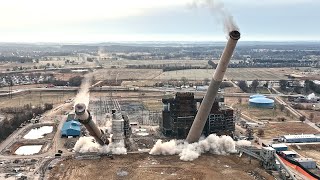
[84,117]
[207,102]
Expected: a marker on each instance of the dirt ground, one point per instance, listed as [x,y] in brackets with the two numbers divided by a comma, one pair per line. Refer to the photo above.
[232,90]
[316,115]
[145,166]
[273,130]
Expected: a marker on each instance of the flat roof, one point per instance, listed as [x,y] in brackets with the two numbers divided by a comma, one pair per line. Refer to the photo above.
[278,145]
[299,136]
[304,159]
[288,152]
[268,148]
[251,123]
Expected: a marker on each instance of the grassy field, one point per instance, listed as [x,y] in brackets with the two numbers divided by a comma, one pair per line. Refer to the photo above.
[36,98]
[257,113]
[284,128]
[23,86]
[231,74]
[316,115]
[124,63]
[153,105]
[134,74]
[5,66]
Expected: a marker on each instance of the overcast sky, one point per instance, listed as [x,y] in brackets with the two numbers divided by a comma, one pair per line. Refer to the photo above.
[155,20]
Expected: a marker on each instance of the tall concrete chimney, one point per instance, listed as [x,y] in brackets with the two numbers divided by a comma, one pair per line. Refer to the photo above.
[84,117]
[207,102]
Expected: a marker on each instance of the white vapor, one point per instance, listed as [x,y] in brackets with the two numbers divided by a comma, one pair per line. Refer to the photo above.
[311,96]
[214,144]
[83,94]
[86,144]
[218,8]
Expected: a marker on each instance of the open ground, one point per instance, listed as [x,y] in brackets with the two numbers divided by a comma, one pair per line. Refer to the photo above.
[273,130]
[147,167]
[35,98]
[231,74]
[193,74]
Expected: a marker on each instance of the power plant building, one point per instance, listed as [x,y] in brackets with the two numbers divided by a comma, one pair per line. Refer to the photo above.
[70,128]
[179,113]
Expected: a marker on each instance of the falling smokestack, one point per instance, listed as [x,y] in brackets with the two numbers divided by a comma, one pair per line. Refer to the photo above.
[207,102]
[84,117]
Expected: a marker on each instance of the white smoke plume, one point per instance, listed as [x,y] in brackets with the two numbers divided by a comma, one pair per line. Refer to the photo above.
[217,8]
[83,94]
[188,152]
[87,144]
[311,96]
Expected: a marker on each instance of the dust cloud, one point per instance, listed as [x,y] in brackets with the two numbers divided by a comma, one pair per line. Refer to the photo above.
[221,145]
[218,9]
[84,94]
[312,96]
[88,144]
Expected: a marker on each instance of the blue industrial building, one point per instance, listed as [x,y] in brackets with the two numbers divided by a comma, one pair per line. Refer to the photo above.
[279,147]
[261,102]
[71,128]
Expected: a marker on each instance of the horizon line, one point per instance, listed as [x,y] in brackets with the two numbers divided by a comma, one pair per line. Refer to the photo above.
[156,41]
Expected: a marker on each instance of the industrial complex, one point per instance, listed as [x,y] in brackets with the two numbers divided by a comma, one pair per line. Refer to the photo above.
[179,114]
[160,110]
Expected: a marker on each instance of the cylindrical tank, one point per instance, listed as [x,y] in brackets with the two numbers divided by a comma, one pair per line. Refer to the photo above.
[261,102]
[257,96]
[207,102]
[84,117]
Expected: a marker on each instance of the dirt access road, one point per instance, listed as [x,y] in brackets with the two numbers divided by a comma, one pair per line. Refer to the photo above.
[145,166]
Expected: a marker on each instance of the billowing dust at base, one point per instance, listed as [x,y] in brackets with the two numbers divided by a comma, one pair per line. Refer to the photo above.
[145,166]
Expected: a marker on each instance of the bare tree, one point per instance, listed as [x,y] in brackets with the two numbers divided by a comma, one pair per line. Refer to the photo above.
[302,118]
[282,107]
[254,85]
[311,116]
[260,132]
[184,80]
[206,81]
[239,100]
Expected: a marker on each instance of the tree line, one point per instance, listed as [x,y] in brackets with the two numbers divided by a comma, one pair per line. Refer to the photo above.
[165,67]
[15,59]
[252,88]
[19,115]
[309,86]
